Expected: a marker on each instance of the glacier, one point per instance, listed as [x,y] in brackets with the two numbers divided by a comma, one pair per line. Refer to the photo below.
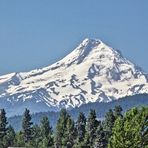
[92,72]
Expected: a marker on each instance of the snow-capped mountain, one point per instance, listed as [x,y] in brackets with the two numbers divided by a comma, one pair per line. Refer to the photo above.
[92,72]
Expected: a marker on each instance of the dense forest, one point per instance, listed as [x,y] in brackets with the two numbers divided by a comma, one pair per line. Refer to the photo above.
[117,130]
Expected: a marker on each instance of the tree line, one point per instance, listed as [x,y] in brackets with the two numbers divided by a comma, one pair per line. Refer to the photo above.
[115,131]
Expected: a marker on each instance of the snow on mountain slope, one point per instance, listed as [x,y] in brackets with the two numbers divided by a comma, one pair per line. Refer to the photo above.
[92,72]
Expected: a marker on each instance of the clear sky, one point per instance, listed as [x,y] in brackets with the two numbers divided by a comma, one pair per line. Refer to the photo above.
[37,33]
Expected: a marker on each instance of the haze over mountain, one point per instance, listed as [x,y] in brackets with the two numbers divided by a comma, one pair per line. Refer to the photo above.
[93,72]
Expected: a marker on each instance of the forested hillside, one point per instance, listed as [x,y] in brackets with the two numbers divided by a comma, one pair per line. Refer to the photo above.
[100,108]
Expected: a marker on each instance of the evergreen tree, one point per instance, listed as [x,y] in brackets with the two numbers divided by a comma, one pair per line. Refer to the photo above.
[46,143]
[118,111]
[3,124]
[109,123]
[130,130]
[46,132]
[61,128]
[3,127]
[9,138]
[19,139]
[71,133]
[86,143]
[37,138]
[81,127]
[100,141]
[92,125]
[64,130]
[118,132]
[144,129]
[27,126]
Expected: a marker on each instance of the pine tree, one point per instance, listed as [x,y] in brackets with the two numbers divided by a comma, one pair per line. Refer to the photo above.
[92,125]
[45,143]
[46,129]
[81,127]
[86,143]
[64,130]
[130,130]
[118,111]
[27,126]
[100,141]
[9,138]
[71,133]
[143,121]
[61,128]
[46,132]
[19,139]
[37,138]
[3,126]
[118,133]
[109,123]
[3,123]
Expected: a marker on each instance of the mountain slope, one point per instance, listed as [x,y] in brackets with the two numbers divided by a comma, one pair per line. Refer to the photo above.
[101,109]
[92,72]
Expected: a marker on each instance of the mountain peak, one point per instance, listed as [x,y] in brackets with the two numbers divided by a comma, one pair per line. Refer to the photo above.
[89,42]
[94,50]
[91,72]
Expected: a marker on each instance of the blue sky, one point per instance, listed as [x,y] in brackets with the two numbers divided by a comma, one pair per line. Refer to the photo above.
[35,33]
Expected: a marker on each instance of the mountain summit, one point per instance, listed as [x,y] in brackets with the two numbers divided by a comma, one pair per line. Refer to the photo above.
[91,72]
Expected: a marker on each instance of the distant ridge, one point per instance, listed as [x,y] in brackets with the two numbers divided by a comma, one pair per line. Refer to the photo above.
[101,108]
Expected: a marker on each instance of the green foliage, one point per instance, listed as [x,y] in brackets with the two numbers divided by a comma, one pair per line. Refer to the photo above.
[100,141]
[81,127]
[27,126]
[100,107]
[131,130]
[118,111]
[86,143]
[19,139]
[9,138]
[46,130]
[109,123]
[92,125]
[3,128]
[65,130]
[3,124]
[116,131]
[37,138]
[46,133]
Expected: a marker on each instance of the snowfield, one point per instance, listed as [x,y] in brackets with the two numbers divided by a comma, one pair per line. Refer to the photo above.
[91,72]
